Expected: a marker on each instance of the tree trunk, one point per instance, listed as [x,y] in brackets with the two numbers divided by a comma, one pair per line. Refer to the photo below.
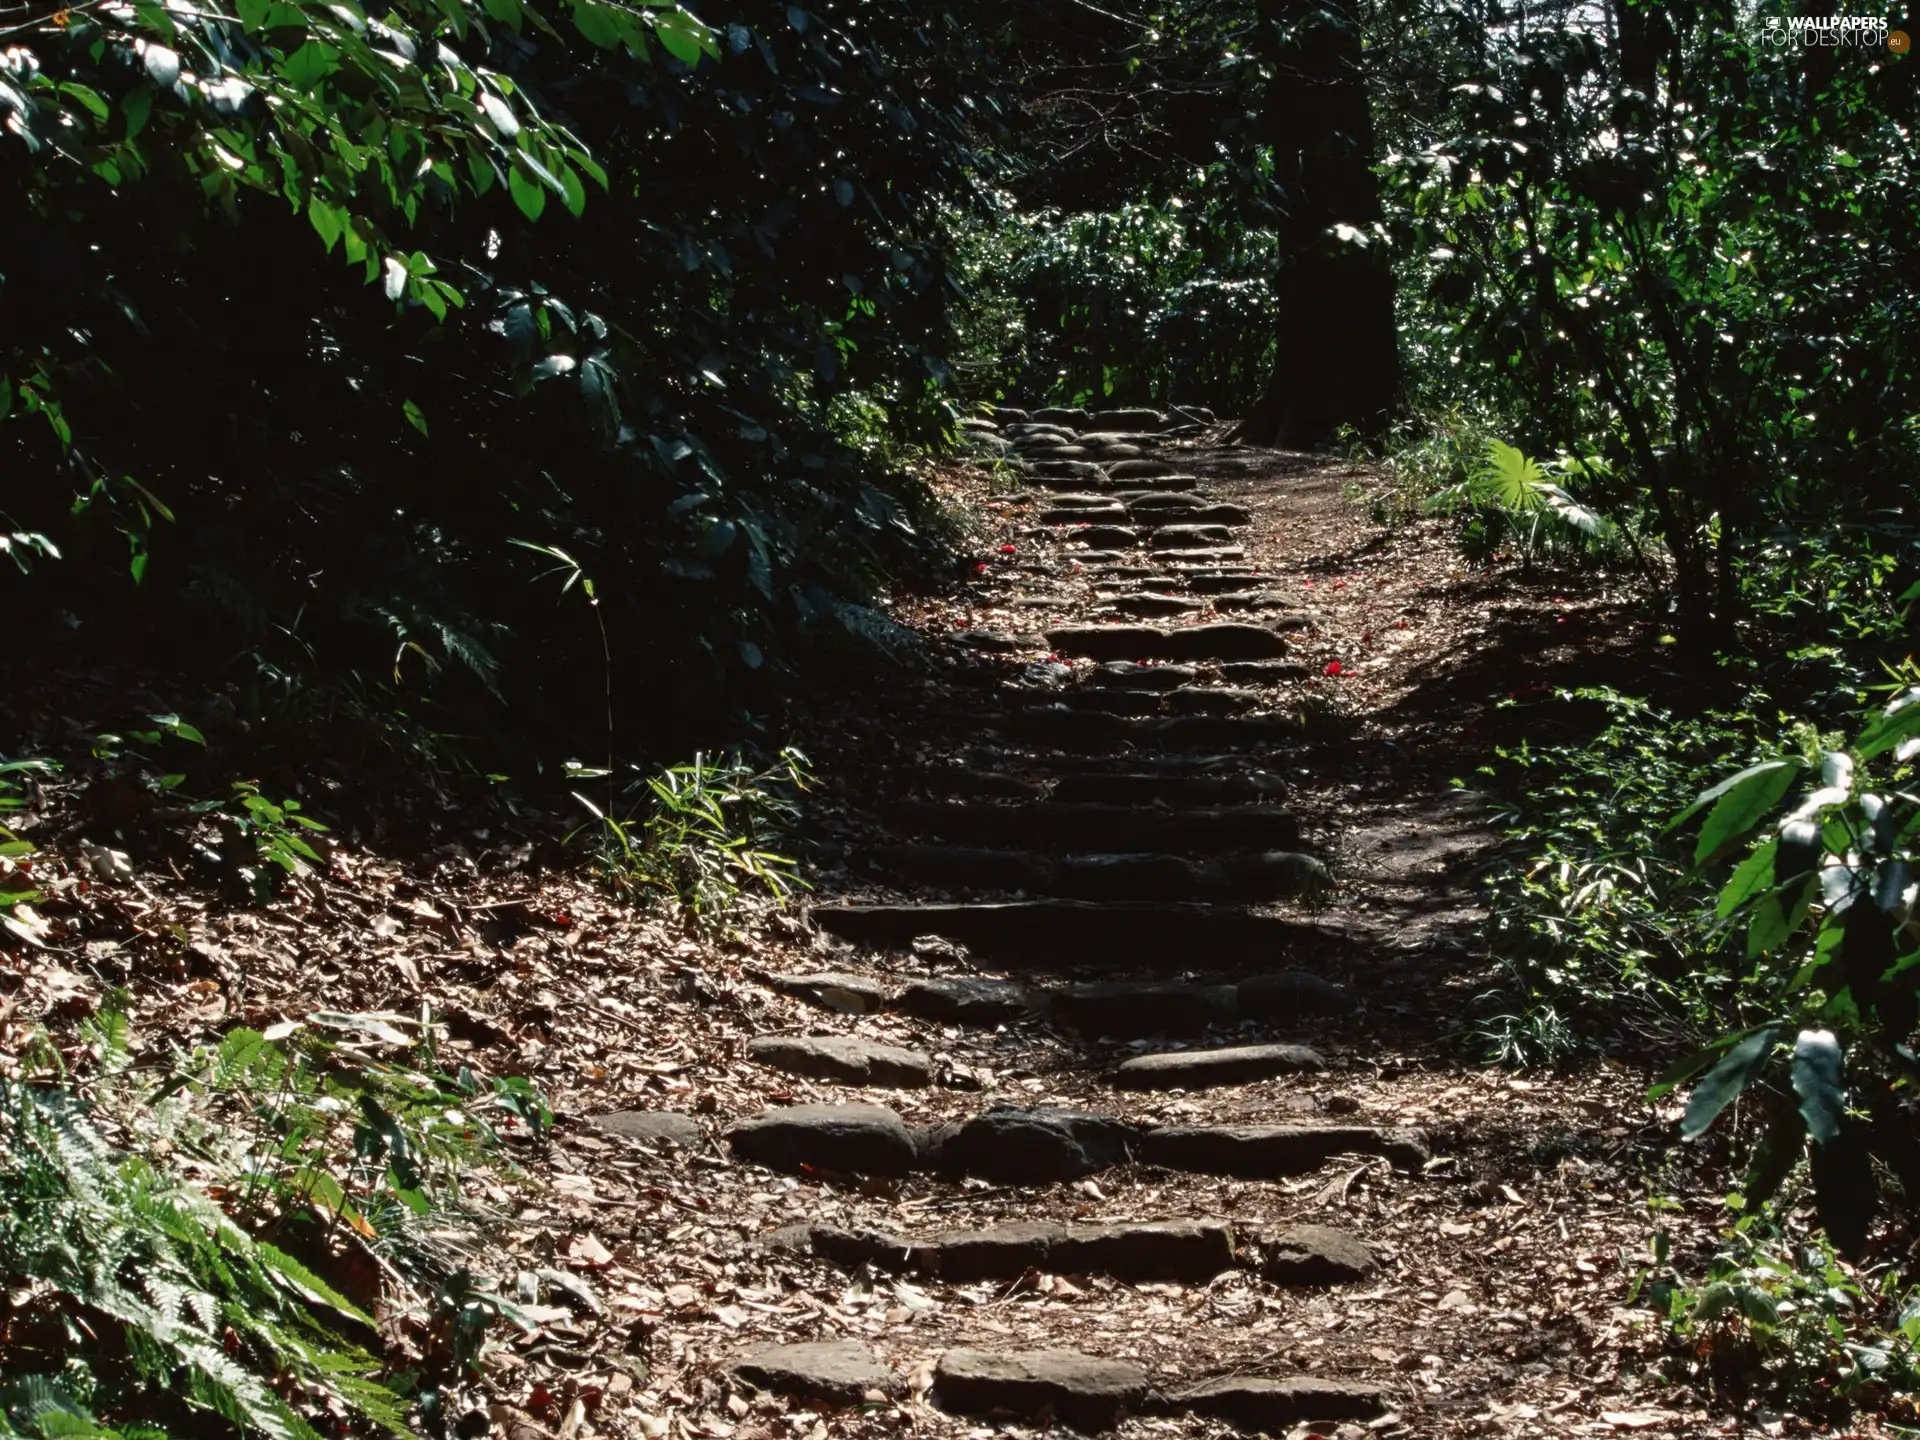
[1337,361]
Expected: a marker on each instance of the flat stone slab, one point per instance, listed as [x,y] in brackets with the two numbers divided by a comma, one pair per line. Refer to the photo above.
[1068,469]
[1213,700]
[1108,642]
[1270,1152]
[1202,1069]
[857,1139]
[1130,675]
[1190,537]
[1076,499]
[966,1001]
[1275,1404]
[1152,605]
[833,990]
[1106,537]
[1223,555]
[1032,1147]
[653,1127]
[1221,641]
[1140,469]
[1130,1010]
[1151,502]
[846,1059]
[841,1371]
[1082,1390]
[1083,514]
[1317,1255]
[1289,995]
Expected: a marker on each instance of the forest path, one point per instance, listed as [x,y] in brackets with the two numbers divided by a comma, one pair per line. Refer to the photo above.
[1129,1091]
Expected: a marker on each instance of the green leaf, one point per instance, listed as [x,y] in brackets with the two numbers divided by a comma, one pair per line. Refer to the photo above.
[1817,1071]
[310,64]
[415,416]
[1707,797]
[137,106]
[327,222]
[1742,801]
[1754,874]
[684,37]
[529,195]
[1737,1069]
[599,23]
[576,193]
[1900,719]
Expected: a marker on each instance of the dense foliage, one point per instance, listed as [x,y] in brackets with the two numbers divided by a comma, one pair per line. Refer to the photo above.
[254,460]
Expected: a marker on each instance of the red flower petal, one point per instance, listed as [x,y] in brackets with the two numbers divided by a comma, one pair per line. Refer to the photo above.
[1333,668]
[1006,549]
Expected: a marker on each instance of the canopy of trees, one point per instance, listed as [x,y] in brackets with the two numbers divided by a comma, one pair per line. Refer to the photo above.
[317,319]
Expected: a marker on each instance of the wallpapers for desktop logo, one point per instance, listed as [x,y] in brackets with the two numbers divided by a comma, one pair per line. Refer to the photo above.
[1848,32]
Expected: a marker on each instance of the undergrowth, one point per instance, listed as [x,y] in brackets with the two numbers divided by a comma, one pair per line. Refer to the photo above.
[202,1252]
[698,838]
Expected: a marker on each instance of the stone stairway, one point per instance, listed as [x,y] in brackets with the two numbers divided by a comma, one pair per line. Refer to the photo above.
[1100,899]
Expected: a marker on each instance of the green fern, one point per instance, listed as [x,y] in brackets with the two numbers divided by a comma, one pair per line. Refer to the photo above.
[1513,501]
[103,1242]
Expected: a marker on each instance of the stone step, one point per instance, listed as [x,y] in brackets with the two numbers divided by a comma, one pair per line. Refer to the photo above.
[1213,514]
[1252,877]
[1177,1250]
[1106,537]
[1168,501]
[1047,472]
[1162,1250]
[1067,932]
[1114,513]
[1086,1392]
[1130,675]
[838,1371]
[1082,1391]
[1113,700]
[1190,537]
[1119,1009]
[1090,729]
[1221,640]
[1019,1146]
[1144,469]
[845,1059]
[1196,700]
[1204,581]
[1095,481]
[1134,788]
[1150,606]
[1208,1069]
[1225,554]
[1068,823]
[1257,600]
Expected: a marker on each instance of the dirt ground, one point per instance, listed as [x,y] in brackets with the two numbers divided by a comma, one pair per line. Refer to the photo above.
[1502,1304]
